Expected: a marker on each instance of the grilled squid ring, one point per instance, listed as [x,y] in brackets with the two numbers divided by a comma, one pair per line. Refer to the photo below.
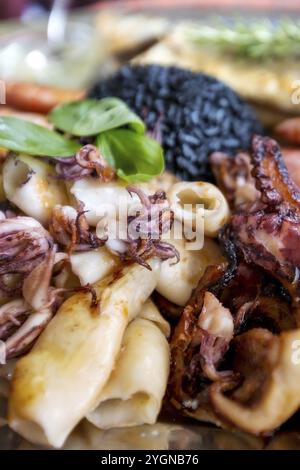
[184,199]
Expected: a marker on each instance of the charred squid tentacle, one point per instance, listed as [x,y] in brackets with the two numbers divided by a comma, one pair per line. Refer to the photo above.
[88,161]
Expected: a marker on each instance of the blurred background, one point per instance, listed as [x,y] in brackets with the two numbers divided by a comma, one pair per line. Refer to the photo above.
[71,44]
[28,8]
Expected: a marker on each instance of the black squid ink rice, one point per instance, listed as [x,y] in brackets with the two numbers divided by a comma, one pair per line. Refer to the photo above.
[192,114]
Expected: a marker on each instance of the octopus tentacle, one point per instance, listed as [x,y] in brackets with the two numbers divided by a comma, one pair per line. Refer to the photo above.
[24,337]
[12,315]
[271,175]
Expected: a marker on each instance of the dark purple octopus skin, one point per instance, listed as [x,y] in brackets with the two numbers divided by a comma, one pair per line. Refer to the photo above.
[267,232]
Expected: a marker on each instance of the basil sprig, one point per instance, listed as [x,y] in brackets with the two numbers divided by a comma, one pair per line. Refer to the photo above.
[117,131]
[25,137]
[136,157]
[90,117]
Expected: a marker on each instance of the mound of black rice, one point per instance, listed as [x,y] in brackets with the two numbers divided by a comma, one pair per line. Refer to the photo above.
[192,113]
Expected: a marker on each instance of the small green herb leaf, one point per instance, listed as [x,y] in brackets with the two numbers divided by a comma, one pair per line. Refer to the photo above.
[26,137]
[255,40]
[90,117]
[136,157]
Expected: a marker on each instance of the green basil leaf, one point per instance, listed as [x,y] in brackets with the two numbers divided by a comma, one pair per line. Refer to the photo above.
[136,157]
[25,137]
[90,117]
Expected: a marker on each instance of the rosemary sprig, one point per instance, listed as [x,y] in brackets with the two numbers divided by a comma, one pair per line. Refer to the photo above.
[259,40]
